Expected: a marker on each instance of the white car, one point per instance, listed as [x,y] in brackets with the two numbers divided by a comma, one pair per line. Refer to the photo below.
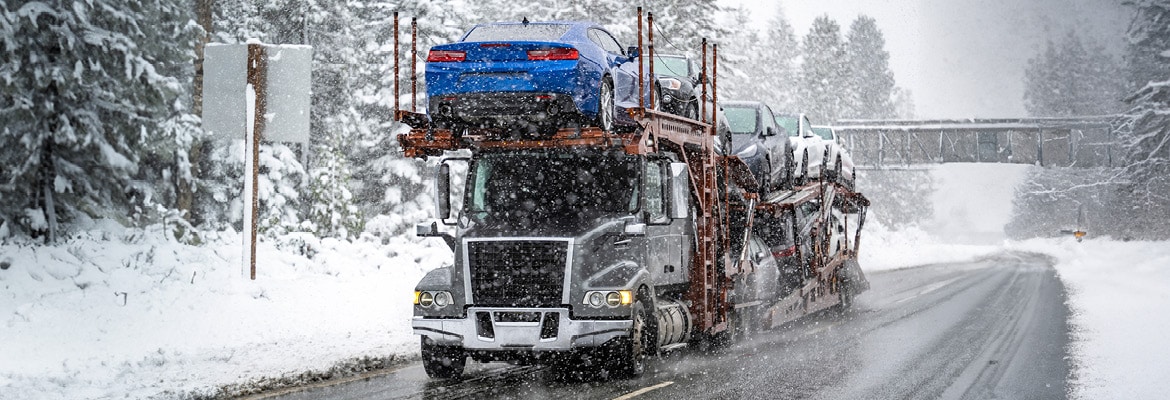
[837,161]
[808,149]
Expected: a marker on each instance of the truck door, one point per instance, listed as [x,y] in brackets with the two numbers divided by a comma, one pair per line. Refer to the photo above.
[665,236]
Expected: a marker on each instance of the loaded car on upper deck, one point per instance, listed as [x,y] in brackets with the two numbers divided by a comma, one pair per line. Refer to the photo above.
[533,76]
[758,142]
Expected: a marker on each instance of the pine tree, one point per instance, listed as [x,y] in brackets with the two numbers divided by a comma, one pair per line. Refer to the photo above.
[823,72]
[870,85]
[1070,79]
[1145,128]
[83,87]
[778,59]
[738,69]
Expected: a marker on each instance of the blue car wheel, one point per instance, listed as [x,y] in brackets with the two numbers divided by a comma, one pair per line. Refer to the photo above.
[605,112]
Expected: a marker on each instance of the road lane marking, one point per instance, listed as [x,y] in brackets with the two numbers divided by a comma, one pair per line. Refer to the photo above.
[643,391]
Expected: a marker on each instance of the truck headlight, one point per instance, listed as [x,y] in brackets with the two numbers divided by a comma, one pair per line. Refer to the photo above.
[608,298]
[613,299]
[442,299]
[433,298]
[595,299]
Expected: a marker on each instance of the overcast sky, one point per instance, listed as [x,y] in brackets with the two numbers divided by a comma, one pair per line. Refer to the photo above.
[961,58]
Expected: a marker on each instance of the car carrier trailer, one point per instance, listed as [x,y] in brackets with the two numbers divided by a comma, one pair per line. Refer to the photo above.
[605,247]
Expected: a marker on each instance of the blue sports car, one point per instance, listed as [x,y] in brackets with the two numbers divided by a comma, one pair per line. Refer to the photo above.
[535,77]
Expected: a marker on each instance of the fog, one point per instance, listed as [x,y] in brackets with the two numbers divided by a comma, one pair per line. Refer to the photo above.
[960,58]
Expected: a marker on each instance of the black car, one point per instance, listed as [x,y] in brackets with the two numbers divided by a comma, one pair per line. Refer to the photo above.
[789,238]
[678,76]
[757,141]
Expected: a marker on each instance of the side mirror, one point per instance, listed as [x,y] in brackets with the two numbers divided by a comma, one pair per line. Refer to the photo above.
[427,229]
[443,192]
[768,131]
[679,191]
[633,52]
[634,229]
[432,230]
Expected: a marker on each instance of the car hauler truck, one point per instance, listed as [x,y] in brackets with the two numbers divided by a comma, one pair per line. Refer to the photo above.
[609,247]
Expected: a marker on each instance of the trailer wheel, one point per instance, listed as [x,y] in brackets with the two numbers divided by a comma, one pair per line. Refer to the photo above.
[442,362]
[629,358]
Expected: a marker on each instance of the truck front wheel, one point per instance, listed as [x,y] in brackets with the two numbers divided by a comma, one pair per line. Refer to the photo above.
[629,358]
[442,362]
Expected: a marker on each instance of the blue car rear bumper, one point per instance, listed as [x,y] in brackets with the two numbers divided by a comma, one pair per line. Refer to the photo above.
[509,88]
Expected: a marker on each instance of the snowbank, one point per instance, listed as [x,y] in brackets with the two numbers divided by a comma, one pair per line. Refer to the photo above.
[133,314]
[1119,295]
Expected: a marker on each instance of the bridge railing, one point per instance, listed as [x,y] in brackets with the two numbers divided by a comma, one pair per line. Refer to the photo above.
[1067,142]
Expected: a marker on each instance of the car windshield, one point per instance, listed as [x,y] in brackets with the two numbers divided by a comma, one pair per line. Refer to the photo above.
[742,120]
[789,123]
[671,66]
[823,132]
[531,188]
[512,32]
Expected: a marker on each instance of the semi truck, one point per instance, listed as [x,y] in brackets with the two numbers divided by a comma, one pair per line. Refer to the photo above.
[589,247]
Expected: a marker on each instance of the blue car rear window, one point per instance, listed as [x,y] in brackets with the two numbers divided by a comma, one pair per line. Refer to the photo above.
[742,120]
[517,32]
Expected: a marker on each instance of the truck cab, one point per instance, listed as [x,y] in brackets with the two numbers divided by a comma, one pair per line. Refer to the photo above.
[558,253]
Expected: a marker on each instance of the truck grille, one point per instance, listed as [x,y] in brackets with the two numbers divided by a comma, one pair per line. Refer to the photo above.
[517,273]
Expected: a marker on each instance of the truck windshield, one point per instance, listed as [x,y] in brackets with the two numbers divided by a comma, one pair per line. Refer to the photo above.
[537,187]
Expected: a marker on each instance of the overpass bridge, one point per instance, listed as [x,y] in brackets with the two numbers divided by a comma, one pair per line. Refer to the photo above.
[1086,141]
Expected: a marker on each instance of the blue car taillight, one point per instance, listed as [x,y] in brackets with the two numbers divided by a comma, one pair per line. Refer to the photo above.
[446,56]
[559,53]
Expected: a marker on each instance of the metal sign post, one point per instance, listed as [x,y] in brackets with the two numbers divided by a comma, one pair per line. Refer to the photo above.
[238,97]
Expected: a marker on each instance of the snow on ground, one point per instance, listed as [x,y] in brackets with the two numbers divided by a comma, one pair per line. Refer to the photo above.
[130,314]
[118,313]
[1119,295]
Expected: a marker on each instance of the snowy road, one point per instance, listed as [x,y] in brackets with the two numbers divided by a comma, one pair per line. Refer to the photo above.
[996,328]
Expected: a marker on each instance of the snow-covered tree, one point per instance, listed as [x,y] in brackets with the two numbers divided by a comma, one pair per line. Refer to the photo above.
[739,68]
[84,91]
[869,87]
[1070,79]
[779,58]
[1145,128]
[823,72]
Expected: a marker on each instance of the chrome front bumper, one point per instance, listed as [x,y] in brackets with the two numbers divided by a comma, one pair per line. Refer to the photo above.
[497,331]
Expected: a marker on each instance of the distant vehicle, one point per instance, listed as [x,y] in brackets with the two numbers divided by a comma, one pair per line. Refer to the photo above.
[757,141]
[533,75]
[839,162]
[808,150]
[678,77]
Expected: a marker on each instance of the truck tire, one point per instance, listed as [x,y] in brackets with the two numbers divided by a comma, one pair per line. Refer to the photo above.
[442,362]
[629,357]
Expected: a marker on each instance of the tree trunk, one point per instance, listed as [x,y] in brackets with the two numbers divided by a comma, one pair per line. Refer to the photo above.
[185,195]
